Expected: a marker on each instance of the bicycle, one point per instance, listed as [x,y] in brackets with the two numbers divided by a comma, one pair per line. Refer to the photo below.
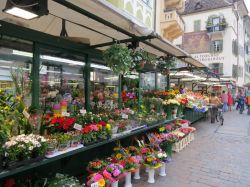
[219,116]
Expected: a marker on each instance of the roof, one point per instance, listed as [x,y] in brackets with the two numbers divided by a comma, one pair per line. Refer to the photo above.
[192,6]
[106,23]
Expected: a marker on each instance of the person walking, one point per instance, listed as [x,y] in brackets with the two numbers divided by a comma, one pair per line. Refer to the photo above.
[214,102]
[241,101]
[224,99]
[230,101]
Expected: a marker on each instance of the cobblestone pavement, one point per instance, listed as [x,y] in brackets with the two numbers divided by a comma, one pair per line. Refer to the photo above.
[218,157]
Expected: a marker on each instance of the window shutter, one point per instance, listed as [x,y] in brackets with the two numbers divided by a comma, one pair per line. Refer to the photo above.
[197,25]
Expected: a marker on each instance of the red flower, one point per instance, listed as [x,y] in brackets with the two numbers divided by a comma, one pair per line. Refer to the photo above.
[103,123]
[9,182]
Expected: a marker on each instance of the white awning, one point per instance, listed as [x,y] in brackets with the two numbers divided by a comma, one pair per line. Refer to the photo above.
[79,26]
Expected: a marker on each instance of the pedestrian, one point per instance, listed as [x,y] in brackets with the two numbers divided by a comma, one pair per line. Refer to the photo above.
[214,102]
[224,99]
[230,101]
[241,101]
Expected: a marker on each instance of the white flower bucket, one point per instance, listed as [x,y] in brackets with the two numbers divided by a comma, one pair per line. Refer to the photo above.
[151,175]
[174,113]
[114,184]
[128,180]
[162,172]
[137,174]
[147,169]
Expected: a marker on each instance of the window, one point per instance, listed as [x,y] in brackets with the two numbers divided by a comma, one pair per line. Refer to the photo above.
[197,25]
[235,47]
[216,46]
[217,68]
[216,23]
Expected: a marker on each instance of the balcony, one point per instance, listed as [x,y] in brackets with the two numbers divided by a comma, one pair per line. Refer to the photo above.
[177,4]
[172,26]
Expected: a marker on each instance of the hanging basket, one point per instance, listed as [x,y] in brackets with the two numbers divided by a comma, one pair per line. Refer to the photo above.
[165,72]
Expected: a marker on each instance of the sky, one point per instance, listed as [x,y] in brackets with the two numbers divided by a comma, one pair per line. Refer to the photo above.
[248,4]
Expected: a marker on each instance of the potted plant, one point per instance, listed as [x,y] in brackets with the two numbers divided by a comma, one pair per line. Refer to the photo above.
[209,25]
[162,156]
[223,23]
[64,180]
[63,140]
[52,145]
[164,64]
[118,58]
[141,59]
[75,138]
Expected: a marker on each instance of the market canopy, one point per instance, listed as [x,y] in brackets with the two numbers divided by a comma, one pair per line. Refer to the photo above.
[98,24]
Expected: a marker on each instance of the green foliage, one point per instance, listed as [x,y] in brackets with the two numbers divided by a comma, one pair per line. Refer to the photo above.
[118,58]
[166,63]
[63,138]
[141,57]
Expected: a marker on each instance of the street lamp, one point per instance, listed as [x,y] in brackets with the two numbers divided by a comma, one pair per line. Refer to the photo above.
[26,9]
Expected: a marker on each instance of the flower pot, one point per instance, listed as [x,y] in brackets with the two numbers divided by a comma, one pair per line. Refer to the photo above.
[75,143]
[168,112]
[51,149]
[151,176]
[162,172]
[147,169]
[137,174]
[114,130]
[114,184]
[174,112]
[62,146]
[128,180]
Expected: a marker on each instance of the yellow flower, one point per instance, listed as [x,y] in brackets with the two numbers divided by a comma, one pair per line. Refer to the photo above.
[57,115]
[162,129]
[19,98]
[119,156]
[108,126]
[101,183]
[149,159]
[116,149]
[6,108]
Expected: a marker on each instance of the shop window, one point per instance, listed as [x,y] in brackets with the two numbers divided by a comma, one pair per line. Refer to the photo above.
[216,46]
[217,68]
[162,82]
[104,88]
[18,64]
[61,81]
[148,81]
[197,25]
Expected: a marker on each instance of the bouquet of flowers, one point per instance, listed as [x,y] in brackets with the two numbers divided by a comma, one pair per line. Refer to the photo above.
[130,163]
[162,156]
[113,172]
[97,178]
[187,130]
[61,180]
[96,166]
[171,102]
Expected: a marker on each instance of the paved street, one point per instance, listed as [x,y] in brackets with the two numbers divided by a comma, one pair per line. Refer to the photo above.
[219,157]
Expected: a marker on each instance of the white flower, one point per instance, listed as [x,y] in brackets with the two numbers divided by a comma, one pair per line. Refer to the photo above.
[31,148]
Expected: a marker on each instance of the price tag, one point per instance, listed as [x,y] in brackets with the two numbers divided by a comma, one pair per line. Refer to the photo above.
[77,127]
[94,184]
[26,114]
[124,116]
[65,114]
[83,111]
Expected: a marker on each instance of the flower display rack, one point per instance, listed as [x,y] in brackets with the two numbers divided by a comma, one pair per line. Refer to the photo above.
[180,145]
[18,171]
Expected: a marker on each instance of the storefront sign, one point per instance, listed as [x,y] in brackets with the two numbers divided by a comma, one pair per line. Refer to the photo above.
[209,58]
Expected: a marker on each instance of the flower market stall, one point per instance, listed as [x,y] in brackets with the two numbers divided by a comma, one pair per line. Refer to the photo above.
[88,111]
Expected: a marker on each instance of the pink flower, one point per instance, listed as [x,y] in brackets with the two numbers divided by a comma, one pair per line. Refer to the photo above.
[97,177]
[108,176]
[116,172]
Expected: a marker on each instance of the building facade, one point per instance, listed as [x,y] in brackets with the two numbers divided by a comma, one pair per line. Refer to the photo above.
[214,34]
[247,48]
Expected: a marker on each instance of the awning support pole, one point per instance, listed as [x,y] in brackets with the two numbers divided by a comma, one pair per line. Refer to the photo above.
[35,76]
[87,85]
